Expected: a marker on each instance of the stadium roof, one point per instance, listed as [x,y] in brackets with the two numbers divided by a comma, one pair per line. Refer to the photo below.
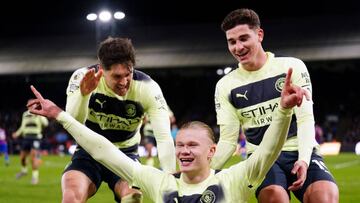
[39,36]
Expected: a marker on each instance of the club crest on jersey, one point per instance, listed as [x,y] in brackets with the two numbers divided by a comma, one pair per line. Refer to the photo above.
[208,197]
[130,110]
[279,84]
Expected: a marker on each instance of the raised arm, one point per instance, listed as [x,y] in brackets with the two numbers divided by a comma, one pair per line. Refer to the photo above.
[96,145]
[160,122]
[263,158]
[81,84]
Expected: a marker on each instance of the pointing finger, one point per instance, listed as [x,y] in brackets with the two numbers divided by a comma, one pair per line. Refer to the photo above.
[36,93]
[288,78]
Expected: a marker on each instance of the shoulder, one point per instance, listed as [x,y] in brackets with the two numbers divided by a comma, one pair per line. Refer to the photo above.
[78,74]
[296,62]
[227,81]
[141,76]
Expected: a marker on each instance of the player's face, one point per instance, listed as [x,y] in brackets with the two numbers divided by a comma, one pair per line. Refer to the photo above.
[118,78]
[194,150]
[245,44]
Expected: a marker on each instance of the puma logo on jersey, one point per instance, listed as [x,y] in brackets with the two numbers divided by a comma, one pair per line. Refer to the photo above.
[99,102]
[238,95]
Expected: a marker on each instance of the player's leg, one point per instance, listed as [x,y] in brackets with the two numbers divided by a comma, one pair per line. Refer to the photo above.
[273,188]
[24,152]
[273,194]
[35,161]
[320,186]
[126,193]
[76,187]
[6,154]
[81,178]
[121,188]
[322,192]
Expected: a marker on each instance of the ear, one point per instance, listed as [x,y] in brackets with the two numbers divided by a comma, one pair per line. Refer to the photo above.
[212,151]
[260,33]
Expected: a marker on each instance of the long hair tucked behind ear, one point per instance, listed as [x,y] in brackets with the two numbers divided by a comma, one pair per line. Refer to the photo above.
[200,125]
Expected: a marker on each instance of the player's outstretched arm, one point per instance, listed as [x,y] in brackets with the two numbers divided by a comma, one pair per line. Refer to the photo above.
[263,158]
[96,145]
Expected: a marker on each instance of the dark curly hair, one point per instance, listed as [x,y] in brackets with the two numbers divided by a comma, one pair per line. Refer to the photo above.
[243,16]
[116,51]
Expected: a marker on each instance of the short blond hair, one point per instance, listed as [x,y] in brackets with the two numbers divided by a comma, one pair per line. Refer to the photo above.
[199,125]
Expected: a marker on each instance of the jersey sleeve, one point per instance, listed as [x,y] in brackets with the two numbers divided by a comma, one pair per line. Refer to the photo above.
[304,113]
[76,103]
[100,148]
[229,127]
[20,130]
[259,163]
[44,121]
[157,110]
[150,180]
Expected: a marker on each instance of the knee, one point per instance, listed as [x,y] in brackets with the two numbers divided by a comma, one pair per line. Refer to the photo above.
[73,196]
[322,192]
[273,194]
[76,188]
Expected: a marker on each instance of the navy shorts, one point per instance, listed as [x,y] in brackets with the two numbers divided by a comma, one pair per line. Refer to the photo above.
[30,143]
[82,161]
[280,173]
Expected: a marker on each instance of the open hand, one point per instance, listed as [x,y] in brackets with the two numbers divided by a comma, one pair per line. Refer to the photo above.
[300,169]
[90,81]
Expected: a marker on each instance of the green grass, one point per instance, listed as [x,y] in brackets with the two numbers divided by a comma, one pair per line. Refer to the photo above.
[345,168]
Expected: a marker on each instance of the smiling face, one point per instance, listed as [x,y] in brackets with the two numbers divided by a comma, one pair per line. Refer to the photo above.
[194,150]
[245,44]
[118,78]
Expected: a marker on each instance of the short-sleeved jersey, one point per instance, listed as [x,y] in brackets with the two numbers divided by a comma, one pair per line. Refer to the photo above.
[249,98]
[32,125]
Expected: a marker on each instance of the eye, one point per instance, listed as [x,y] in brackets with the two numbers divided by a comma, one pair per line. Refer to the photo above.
[231,42]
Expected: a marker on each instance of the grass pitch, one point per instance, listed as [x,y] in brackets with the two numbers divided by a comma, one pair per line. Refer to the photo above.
[345,168]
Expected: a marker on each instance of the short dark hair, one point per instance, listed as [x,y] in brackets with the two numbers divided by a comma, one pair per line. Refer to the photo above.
[199,125]
[243,16]
[116,51]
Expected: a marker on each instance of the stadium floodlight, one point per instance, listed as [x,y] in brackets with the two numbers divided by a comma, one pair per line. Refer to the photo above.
[119,15]
[105,16]
[227,70]
[91,16]
[105,23]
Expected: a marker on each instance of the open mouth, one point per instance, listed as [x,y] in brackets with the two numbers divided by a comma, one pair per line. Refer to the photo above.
[186,161]
[242,54]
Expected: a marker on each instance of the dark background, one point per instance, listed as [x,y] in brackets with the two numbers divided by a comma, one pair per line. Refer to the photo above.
[188,90]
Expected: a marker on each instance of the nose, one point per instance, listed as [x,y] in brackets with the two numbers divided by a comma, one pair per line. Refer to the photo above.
[123,81]
[185,150]
[239,46]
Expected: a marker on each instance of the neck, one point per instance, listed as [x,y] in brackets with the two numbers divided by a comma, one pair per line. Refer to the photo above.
[195,177]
